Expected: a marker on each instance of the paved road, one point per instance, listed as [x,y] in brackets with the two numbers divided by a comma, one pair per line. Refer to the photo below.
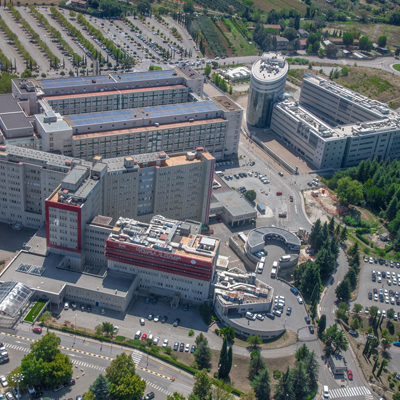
[90,360]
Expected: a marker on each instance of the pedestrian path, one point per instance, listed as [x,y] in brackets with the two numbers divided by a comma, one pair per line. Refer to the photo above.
[136,356]
[350,392]
[158,388]
[79,363]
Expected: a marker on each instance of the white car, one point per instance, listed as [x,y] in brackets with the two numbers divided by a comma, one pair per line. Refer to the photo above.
[383,313]
[300,300]
[3,381]
[260,317]
[376,297]
[187,347]
[156,318]
[66,306]
[116,329]
[165,343]
[371,260]
[379,279]
[156,340]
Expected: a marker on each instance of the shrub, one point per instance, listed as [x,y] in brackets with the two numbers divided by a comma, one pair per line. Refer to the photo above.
[362,238]
[191,332]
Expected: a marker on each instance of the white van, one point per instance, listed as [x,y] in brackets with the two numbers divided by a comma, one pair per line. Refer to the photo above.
[219,173]
[326,392]
[250,316]
[277,313]
[284,258]
[260,268]
[275,264]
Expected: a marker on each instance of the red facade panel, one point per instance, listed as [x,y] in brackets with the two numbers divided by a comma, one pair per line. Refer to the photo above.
[159,260]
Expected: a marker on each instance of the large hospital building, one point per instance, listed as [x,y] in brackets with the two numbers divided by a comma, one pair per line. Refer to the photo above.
[330,126]
[118,115]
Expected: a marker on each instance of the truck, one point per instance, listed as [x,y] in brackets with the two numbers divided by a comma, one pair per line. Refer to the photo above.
[261,208]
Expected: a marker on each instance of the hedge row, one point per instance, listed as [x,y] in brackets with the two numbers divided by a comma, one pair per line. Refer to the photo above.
[138,344]
[362,238]
[13,36]
[55,32]
[53,58]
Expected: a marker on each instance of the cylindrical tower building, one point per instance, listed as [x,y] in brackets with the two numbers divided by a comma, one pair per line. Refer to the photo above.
[267,84]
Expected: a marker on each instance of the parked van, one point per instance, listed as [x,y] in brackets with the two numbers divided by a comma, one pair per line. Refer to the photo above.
[260,268]
[273,273]
[138,334]
[294,291]
[277,313]
[275,264]
[284,258]
[250,316]
[326,392]
[219,173]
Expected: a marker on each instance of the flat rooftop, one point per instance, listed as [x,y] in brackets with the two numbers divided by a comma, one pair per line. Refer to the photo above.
[21,154]
[53,279]
[234,204]
[380,109]
[149,128]
[17,120]
[133,77]
[270,67]
[9,104]
[226,103]
[55,126]
[112,92]
[168,236]
[258,235]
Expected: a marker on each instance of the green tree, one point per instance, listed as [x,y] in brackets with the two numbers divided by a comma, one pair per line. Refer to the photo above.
[207,70]
[331,50]
[364,43]
[200,338]
[284,389]
[290,34]
[218,392]
[386,343]
[202,355]
[27,73]
[223,363]
[302,352]
[331,225]
[348,38]
[261,385]
[202,385]
[357,308]
[300,378]
[125,384]
[228,332]
[382,41]
[249,395]
[176,396]
[108,328]
[100,388]
[188,7]
[256,364]
[46,316]
[250,195]
[349,191]
[391,313]
[322,324]
[384,363]
[254,340]
[335,340]
[373,311]
[343,290]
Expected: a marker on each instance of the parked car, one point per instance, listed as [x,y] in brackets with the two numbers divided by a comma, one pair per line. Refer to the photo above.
[396,343]
[308,321]
[176,322]
[182,347]
[149,396]
[3,381]
[37,330]
[300,300]
[289,311]
[176,346]
[193,348]
[270,315]
[353,333]
[165,343]
[311,329]
[350,374]
[142,321]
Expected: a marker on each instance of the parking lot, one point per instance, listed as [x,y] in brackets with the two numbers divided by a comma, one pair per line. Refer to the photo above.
[129,323]
[383,291]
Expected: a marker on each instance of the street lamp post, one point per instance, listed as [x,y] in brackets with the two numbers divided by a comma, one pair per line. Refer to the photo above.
[17,378]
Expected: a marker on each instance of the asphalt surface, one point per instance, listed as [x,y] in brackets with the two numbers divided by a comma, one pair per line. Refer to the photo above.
[91,358]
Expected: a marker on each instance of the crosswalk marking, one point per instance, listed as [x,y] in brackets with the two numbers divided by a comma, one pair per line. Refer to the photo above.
[349,392]
[160,389]
[19,348]
[87,365]
[136,356]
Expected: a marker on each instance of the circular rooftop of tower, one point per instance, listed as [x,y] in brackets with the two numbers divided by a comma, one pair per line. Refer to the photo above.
[270,67]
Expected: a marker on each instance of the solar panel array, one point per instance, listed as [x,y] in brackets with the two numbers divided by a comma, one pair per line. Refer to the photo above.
[71,82]
[179,109]
[102,117]
[101,79]
[143,76]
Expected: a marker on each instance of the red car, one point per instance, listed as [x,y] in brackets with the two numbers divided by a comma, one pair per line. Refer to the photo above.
[144,337]
[349,375]
[279,193]
[37,330]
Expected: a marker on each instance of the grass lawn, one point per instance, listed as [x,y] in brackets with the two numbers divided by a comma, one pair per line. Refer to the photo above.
[241,44]
[287,339]
[35,310]
[373,31]
[396,67]
[277,5]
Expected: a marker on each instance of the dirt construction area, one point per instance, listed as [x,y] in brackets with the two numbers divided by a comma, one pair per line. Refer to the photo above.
[318,206]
